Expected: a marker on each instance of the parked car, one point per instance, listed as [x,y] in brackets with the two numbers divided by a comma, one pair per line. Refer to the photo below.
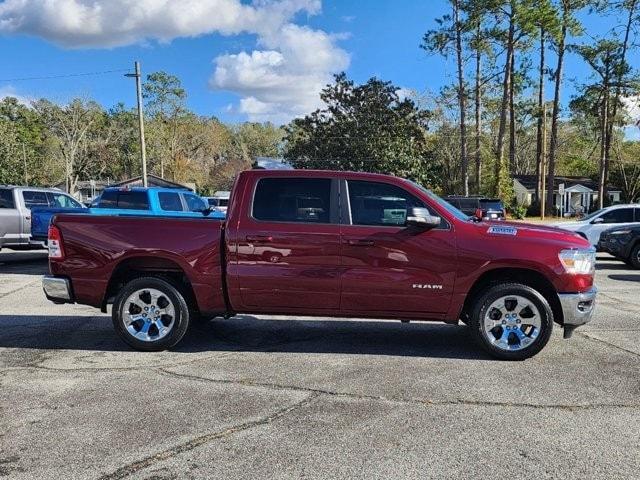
[366,245]
[156,201]
[219,201]
[623,243]
[492,208]
[591,226]
[16,205]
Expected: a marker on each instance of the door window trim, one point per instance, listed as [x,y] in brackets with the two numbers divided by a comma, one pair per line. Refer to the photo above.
[334,211]
[346,208]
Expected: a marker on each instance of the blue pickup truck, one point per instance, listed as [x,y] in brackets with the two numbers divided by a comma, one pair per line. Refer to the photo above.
[153,201]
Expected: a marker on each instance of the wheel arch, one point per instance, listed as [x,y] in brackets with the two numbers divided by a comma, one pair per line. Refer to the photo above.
[147,266]
[525,276]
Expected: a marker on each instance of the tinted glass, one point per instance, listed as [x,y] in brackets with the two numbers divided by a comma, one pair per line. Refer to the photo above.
[213,202]
[170,202]
[305,200]
[223,202]
[492,204]
[59,200]
[108,199]
[35,199]
[6,198]
[637,215]
[133,200]
[375,203]
[194,203]
[621,215]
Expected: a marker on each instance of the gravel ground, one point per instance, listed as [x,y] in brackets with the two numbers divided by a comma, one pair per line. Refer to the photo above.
[272,397]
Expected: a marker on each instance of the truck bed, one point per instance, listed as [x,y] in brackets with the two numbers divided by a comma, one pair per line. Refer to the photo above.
[99,250]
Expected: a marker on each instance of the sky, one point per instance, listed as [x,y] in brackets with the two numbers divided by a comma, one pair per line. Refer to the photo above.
[264,60]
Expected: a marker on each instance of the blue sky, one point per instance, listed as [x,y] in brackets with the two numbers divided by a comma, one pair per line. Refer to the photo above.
[274,81]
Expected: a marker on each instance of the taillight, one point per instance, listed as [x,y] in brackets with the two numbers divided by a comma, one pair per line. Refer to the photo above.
[54,242]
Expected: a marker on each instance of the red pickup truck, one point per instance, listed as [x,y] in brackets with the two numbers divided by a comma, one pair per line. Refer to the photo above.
[327,244]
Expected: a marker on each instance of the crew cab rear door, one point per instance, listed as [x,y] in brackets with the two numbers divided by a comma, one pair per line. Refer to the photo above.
[286,249]
[391,269]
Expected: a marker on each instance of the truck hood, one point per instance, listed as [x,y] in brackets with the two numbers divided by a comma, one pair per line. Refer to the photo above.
[535,232]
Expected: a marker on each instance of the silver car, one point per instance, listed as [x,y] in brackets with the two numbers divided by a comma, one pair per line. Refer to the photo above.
[15,212]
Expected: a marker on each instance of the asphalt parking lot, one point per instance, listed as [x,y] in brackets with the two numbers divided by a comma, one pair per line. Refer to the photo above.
[312,398]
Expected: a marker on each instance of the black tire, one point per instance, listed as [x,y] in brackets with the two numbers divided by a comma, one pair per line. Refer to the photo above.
[634,258]
[179,320]
[493,293]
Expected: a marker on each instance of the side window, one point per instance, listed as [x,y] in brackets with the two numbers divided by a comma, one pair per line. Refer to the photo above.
[6,198]
[133,200]
[194,203]
[60,200]
[305,200]
[34,199]
[376,203]
[637,215]
[108,199]
[621,215]
[170,202]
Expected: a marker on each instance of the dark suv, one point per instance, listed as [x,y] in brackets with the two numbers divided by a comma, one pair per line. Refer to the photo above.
[492,208]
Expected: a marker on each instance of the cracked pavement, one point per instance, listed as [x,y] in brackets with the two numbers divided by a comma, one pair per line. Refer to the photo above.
[272,397]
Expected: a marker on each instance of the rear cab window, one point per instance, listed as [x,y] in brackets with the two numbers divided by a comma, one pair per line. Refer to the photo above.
[170,202]
[6,198]
[126,200]
[296,200]
[33,199]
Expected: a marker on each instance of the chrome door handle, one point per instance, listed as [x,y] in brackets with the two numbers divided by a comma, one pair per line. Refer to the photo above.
[361,243]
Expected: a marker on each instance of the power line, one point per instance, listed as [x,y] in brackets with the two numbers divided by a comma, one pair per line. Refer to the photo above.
[51,77]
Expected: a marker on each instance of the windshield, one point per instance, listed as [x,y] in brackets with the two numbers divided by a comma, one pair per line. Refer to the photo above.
[446,205]
[591,215]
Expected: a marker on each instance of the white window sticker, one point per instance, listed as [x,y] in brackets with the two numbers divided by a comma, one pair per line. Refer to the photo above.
[498,230]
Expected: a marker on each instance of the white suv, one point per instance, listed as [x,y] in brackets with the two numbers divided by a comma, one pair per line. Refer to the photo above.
[591,226]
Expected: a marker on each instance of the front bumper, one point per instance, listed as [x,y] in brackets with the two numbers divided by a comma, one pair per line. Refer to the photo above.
[577,308]
[57,289]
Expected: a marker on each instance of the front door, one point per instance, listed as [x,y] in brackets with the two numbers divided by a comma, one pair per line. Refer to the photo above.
[388,267]
[288,246]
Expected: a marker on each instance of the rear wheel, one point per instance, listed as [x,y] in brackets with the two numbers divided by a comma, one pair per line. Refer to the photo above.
[150,314]
[511,321]
[634,258]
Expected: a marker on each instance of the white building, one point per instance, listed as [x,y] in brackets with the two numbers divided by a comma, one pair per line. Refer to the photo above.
[580,193]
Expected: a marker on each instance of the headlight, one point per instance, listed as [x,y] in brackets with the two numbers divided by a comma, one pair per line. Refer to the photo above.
[578,261]
[620,232]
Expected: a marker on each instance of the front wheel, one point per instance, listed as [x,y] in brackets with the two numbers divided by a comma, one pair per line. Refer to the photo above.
[634,258]
[511,321]
[150,314]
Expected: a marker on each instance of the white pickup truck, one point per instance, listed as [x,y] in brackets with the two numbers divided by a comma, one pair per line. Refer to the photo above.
[15,213]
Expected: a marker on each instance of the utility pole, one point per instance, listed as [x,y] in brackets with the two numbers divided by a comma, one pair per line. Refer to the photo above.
[543,169]
[24,159]
[143,153]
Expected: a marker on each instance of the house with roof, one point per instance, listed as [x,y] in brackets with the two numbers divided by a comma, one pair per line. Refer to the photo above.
[579,193]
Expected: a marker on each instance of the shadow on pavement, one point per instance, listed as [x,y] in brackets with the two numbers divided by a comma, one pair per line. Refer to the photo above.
[24,263]
[626,278]
[613,265]
[249,334]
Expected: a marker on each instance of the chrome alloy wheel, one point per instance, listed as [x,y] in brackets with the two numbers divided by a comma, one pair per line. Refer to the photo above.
[512,323]
[148,315]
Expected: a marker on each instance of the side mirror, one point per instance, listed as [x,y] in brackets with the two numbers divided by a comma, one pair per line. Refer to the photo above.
[421,218]
[478,214]
[597,220]
[207,211]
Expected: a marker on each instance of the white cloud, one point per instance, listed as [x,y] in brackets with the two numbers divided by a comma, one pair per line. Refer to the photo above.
[10,91]
[632,106]
[284,81]
[278,80]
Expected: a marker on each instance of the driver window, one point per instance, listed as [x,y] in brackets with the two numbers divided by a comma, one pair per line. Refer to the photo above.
[382,204]
[621,215]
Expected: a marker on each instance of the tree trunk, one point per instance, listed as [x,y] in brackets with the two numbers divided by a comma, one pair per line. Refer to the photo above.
[462,100]
[553,142]
[512,119]
[539,139]
[506,85]
[603,146]
[478,113]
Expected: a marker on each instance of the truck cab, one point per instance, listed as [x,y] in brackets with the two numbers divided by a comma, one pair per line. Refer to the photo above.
[16,205]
